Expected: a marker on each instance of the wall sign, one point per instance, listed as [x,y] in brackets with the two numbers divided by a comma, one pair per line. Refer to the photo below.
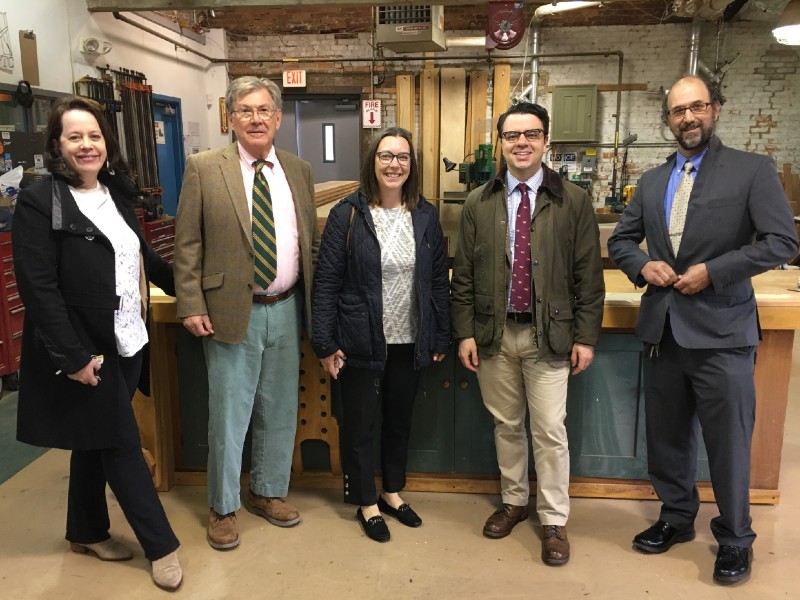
[295,78]
[223,116]
[371,114]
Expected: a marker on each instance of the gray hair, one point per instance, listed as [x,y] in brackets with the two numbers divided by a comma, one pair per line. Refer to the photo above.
[242,86]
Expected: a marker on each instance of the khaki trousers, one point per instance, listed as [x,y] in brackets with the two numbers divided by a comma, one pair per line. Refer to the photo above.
[510,381]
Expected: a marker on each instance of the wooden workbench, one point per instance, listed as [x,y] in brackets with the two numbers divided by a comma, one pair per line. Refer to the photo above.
[779,310]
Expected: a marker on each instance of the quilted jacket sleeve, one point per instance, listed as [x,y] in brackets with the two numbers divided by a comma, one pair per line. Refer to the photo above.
[329,280]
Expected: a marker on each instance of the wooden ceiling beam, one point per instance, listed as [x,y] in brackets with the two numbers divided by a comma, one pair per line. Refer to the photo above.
[142,5]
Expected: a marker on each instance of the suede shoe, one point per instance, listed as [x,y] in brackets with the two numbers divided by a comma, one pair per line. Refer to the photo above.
[660,537]
[275,510]
[502,521]
[167,572]
[732,564]
[109,549]
[221,533]
[375,528]
[405,514]
[555,545]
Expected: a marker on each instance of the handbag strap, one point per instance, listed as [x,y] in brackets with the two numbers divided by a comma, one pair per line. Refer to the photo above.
[349,225]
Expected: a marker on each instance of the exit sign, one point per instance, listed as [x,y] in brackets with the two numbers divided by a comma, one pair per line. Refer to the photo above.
[296,78]
[371,114]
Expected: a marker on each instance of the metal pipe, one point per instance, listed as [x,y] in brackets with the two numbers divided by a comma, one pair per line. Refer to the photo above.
[465,42]
[535,34]
[616,126]
[328,59]
[694,46]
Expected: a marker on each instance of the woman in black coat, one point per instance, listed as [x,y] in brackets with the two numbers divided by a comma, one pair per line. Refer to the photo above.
[83,268]
[380,302]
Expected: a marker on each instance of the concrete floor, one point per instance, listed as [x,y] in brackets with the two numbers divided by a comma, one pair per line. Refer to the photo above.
[327,555]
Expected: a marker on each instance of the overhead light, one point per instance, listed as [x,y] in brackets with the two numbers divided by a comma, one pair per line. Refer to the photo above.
[93,45]
[345,105]
[787,30]
[559,7]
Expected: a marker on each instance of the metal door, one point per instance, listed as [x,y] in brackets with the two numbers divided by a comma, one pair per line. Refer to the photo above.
[325,131]
[169,149]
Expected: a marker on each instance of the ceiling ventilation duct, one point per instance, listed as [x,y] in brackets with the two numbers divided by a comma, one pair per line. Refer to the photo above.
[410,28]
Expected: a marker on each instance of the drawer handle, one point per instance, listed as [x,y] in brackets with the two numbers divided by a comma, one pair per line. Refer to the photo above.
[446,384]
[463,385]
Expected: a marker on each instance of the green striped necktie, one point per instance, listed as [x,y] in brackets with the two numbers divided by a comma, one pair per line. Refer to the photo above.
[266,263]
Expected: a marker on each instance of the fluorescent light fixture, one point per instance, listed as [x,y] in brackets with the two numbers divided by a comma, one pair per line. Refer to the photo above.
[551,9]
[787,30]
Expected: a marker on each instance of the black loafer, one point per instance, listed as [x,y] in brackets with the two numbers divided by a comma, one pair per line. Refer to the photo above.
[375,527]
[660,537]
[732,564]
[405,514]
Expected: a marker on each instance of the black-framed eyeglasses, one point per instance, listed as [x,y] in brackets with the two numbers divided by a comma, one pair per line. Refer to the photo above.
[531,135]
[247,114]
[697,108]
[386,158]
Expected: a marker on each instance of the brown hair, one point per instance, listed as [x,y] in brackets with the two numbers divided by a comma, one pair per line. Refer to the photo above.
[52,152]
[369,181]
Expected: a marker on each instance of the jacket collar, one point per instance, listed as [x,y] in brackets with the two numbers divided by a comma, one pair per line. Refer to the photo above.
[66,216]
[550,180]
[714,145]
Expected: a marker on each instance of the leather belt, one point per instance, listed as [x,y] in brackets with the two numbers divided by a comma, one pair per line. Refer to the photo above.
[520,317]
[267,299]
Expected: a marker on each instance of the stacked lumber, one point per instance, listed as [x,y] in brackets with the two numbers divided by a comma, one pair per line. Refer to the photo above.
[332,191]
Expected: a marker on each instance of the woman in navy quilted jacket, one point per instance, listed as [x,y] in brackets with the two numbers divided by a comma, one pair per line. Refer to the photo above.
[380,306]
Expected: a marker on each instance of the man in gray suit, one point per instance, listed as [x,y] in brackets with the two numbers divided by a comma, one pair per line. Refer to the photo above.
[698,317]
[248,311]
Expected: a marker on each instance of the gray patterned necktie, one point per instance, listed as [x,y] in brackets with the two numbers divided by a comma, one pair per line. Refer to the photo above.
[680,206]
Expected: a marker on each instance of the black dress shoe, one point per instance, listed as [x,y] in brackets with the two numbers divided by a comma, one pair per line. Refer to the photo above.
[374,527]
[405,514]
[660,537]
[732,564]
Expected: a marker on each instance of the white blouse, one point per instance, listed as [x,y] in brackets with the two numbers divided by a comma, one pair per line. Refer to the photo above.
[99,208]
[398,265]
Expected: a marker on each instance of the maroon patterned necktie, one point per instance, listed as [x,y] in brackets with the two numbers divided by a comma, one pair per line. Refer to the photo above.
[521,272]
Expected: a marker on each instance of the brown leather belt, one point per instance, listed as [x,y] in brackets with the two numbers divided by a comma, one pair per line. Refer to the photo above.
[267,299]
[520,317]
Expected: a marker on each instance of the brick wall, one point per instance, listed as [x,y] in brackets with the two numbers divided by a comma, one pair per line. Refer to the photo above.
[762,87]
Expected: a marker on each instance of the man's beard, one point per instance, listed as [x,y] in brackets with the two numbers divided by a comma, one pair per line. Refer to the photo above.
[695,138]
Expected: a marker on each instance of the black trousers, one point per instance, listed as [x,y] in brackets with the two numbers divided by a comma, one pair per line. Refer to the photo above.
[366,393]
[715,388]
[126,472]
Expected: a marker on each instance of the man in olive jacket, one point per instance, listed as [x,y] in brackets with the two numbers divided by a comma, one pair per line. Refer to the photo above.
[528,321]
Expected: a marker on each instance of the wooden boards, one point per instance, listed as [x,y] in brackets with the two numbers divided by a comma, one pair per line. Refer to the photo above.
[502,89]
[406,98]
[333,191]
[452,125]
[476,111]
[428,146]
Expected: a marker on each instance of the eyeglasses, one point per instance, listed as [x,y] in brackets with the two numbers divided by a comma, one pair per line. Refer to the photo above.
[247,114]
[386,158]
[531,135]
[697,108]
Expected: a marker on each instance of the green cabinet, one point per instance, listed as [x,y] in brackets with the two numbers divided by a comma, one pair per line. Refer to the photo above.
[574,116]
[453,432]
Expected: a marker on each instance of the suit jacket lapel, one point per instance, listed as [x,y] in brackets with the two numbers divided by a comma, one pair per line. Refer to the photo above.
[232,174]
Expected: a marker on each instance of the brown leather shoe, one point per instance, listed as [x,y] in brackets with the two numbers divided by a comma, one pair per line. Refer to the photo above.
[555,545]
[275,510]
[221,533]
[502,521]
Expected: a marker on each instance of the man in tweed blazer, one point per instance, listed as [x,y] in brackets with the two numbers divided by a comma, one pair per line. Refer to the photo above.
[251,334]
